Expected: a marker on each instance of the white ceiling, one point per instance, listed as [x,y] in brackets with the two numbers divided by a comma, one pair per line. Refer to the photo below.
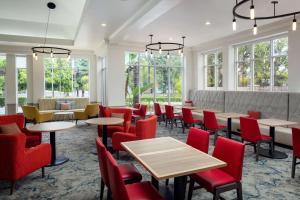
[78,22]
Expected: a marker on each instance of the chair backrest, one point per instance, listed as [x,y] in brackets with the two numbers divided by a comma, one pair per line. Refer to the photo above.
[101,111]
[231,152]
[30,112]
[157,110]
[169,111]
[137,106]
[249,129]
[199,139]
[12,149]
[127,116]
[296,141]
[92,110]
[187,115]
[210,120]
[146,128]
[116,182]
[102,159]
[143,111]
[8,119]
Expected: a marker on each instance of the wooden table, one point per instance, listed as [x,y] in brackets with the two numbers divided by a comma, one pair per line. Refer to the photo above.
[104,122]
[52,127]
[167,157]
[204,109]
[272,123]
[229,116]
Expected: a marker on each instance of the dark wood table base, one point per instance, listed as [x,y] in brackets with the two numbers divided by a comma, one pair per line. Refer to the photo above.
[55,160]
[275,155]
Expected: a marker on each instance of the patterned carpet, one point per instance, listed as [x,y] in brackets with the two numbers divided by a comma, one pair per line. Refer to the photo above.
[79,178]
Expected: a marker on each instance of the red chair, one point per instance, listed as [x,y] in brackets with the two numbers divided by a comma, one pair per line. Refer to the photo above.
[188,120]
[250,132]
[141,113]
[211,124]
[18,161]
[135,191]
[116,128]
[138,107]
[296,149]
[172,118]
[32,138]
[129,173]
[157,111]
[199,139]
[223,179]
[144,129]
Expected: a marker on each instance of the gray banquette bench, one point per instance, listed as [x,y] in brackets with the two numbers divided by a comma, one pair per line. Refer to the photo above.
[278,105]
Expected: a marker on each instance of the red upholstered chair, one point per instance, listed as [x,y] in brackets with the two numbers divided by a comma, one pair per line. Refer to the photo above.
[172,118]
[157,111]
[250,132]
[141,113]
[296,149]
[223,179]
[135,191]
[188,120]
[211,124]
[32,138]
[137,106]
[129,173]
[18,161]
[144,129]
[116,128]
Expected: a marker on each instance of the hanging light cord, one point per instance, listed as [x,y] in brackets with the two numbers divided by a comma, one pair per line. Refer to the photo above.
[47,27]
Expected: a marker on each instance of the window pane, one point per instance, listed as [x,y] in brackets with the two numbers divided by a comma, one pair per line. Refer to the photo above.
[210,59]
[220,58]
[244,76]
[262,69]
[244,53]
[176,85]
[161,85]
[220,76]
[22,82]
[2,84]
[147,85]
[281,73]
[80,77]
[280,46]
[130,86]
[210,75]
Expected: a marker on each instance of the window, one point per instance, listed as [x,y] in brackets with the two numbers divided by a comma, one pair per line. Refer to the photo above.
[65,78]
[22,81]
[213,66]
[153,79]
[262,66]
[2,84]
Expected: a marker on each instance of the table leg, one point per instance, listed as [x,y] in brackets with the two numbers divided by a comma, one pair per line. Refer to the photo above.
[155,182]
[180,187]
[275,154]
[104,135]
[56,160]
[229,128]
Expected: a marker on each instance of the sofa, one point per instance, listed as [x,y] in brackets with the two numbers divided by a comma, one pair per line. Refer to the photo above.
[278,105]
[51,105]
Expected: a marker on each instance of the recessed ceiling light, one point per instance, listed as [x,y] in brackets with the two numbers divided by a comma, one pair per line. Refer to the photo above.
[103,25]
[207,23]
[170,38]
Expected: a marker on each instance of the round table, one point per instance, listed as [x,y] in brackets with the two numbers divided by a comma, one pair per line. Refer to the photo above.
[52,127]
[104,122]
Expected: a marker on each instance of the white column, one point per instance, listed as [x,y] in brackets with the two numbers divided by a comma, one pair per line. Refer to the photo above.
[93,79]
[294,61]
[29,64]
[38,79]
[11,84]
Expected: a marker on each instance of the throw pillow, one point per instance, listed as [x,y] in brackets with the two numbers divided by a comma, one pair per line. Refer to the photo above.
[57,105]
[72,104]
[9,128]
[254,114]
[65,106]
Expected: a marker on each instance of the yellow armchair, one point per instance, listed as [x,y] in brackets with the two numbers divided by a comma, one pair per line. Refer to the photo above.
[90,111]
[32,114]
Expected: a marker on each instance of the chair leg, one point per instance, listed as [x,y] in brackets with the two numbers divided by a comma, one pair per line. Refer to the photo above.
[76,121]
[12,187]
[118,155]
[166,122]
[257,150]
[239,191]
[254,147]
[215,137]
[183,127]
[294,166]
[108,194]
[191,189]
[216,195]
[101,189]
[167,182]
[43,172]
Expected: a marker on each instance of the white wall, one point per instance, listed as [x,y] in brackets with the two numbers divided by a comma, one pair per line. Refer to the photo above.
[226,46]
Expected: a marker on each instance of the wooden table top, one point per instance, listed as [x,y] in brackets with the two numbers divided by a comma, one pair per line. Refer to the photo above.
[167,157]
[180,107]
[210,110]
[275,122]
[105,121]
[50,126]
[64,113]
[231,115]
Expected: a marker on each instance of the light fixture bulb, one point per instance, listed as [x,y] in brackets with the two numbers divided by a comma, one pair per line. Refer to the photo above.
[69,56]
[146,52]
[255,29]
[51,55]
[234,24]
[151,54]
[252,12]
[168,56]
[181,53]
[36,57]
[294,27]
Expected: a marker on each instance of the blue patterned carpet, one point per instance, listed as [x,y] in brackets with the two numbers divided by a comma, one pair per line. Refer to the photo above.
[79,178]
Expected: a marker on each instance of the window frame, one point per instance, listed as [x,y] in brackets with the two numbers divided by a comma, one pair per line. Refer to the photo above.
[216,65]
